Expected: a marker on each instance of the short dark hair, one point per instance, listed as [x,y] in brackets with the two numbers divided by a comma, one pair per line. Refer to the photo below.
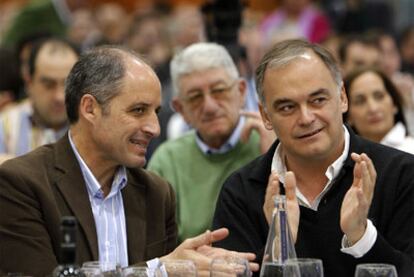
[10,79]
[389,86]
[285,52]
[57,43]
[99,72]
[369,39]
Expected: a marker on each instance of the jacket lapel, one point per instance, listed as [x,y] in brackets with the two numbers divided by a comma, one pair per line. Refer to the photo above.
[70,183]
[135,207]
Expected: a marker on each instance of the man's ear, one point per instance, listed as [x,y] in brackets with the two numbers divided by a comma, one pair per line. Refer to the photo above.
[242,88]
[265,117]
[29,85]
[89,108]
[178,106]
[344,100]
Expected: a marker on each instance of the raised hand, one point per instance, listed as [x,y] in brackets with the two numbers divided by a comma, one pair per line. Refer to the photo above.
[357,200]
[292,204]
[254,122]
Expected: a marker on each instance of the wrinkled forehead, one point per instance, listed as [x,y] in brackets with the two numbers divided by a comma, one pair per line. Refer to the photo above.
[305,56]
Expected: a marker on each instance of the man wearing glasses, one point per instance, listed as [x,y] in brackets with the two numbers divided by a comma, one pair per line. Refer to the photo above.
[209,94]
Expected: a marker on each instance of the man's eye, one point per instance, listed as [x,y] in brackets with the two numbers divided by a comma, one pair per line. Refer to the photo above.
[217,91]
[285,108]
[49,85]
[194,97]
[139,110]
[319,100]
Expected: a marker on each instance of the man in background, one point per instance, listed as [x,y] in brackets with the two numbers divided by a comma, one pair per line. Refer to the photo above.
[209,95]
[42,118]
[357,51]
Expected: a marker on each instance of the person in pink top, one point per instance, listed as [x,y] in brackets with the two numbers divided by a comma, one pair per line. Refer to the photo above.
[295,18]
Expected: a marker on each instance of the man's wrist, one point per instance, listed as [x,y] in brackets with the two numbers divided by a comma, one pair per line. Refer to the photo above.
[354,237]
[361,247]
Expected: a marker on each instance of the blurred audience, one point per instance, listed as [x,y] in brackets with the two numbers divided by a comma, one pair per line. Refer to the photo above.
[390,64]
[375,110]
[83,30]
[22,51]
[51,16]
[407,49]
[357,51]
[148,36]
[186,26]
[209,94]
[359,16]
[10,81]
[332,43]
[112,22]
[42,117]
[295,19]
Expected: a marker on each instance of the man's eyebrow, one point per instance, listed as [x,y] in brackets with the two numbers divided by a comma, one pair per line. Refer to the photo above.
[47,79]
[319,91]
[282,101]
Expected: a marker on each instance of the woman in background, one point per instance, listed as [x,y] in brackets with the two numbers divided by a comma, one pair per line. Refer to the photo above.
[375,110]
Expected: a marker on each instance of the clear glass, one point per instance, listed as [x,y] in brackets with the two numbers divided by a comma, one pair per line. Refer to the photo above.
[303,267]
[180,268]
[230,266]
[101,269]
[375,270]
[140,271]
[67,270]
[279,245]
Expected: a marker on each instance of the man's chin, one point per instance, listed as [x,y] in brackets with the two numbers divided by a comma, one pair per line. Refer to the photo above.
[137,162]
[57,124]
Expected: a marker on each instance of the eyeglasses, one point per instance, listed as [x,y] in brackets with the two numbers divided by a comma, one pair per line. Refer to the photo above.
[196,97]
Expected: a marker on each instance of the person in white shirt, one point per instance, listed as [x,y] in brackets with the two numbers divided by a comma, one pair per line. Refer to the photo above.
[375,109]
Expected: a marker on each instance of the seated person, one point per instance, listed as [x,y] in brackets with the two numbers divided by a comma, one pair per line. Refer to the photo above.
[375,111]
[209,94]
[126,215]
[349,200]
[42,118]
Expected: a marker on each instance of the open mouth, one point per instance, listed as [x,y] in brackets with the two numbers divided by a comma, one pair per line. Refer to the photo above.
[310,134]
[141,143]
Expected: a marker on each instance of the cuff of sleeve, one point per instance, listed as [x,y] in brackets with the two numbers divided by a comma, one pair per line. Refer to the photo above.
[155,265]
[361,247]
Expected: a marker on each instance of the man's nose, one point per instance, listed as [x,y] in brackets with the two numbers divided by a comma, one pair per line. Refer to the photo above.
[152,126]
[60,93]
[209,103]
[306,115]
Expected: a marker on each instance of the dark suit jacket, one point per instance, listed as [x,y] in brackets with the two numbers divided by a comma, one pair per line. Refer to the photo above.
[240,209]
[37,189]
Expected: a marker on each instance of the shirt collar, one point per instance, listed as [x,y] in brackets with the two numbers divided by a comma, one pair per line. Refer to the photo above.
[92,184]
[395,136]
[227,146]
[278,164]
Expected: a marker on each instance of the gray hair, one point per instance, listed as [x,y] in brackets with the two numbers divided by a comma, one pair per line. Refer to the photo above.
[285,52]
[200,57]
[98,72]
